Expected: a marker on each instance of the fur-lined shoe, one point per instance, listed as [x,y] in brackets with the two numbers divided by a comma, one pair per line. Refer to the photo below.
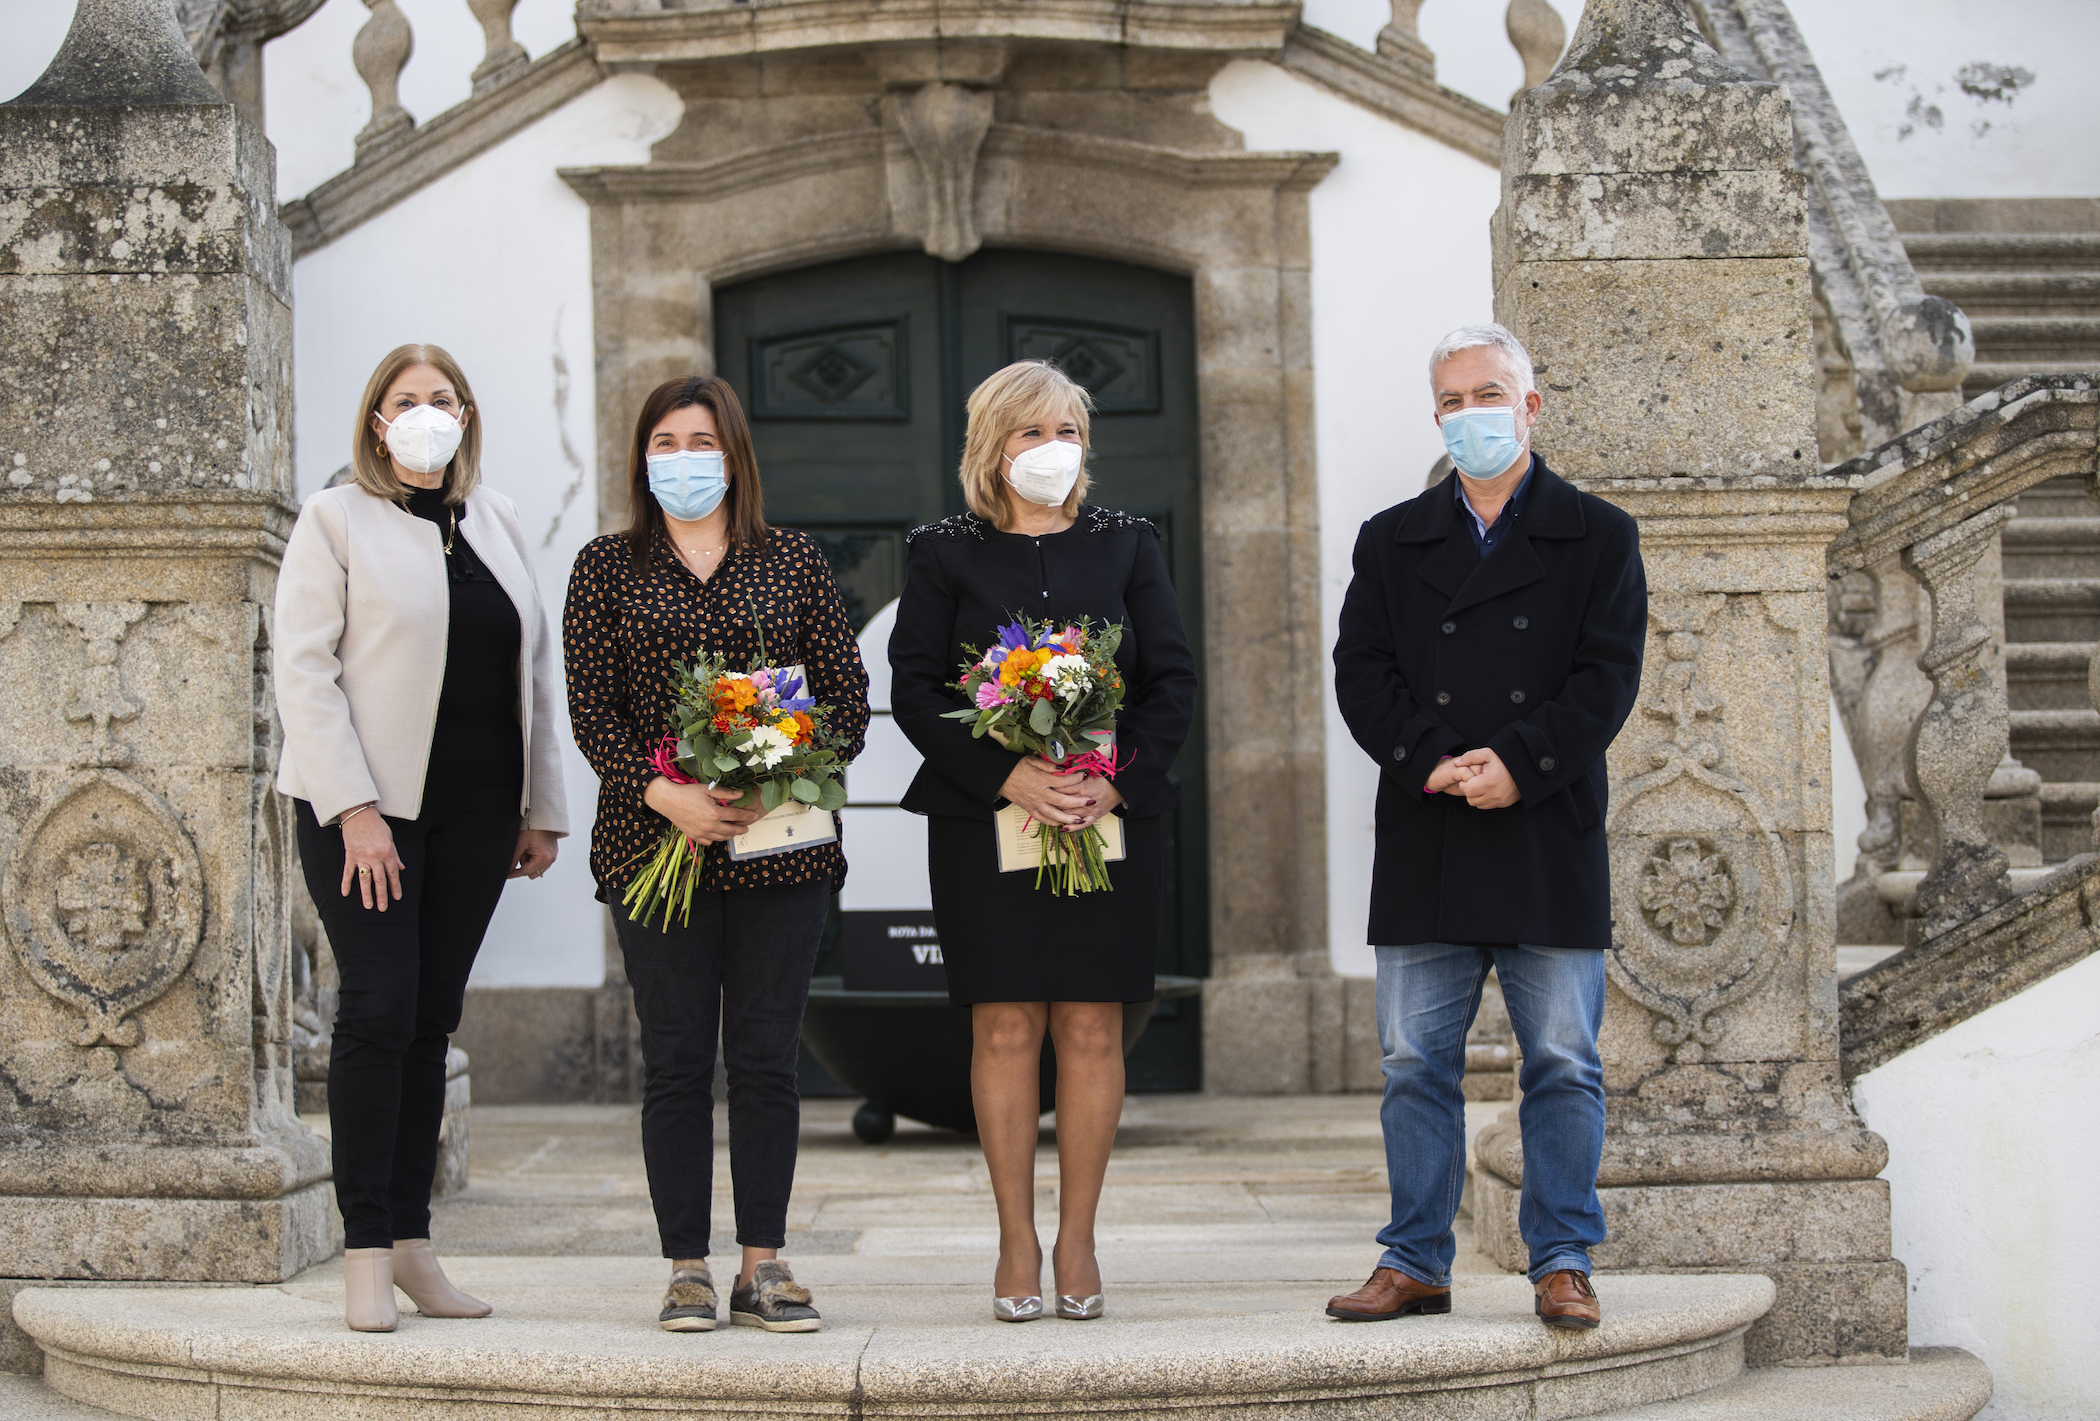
[689,1306]
[773,1300]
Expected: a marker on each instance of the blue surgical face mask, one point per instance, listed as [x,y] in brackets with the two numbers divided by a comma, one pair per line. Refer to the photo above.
[689,483]
[1483,440]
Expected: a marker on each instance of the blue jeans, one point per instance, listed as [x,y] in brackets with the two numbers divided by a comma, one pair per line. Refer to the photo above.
[1427,995]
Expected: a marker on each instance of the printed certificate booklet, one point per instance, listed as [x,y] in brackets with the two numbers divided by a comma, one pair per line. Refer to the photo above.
[1018,848]
[794,825]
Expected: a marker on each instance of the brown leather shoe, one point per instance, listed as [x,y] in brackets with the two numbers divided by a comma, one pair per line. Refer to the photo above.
[1388,1293]
[1565,1299]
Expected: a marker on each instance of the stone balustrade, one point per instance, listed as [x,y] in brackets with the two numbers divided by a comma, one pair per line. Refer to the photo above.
[1935,500]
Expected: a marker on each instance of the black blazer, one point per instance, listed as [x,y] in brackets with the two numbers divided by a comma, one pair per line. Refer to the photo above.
[964,579]
[1533,652]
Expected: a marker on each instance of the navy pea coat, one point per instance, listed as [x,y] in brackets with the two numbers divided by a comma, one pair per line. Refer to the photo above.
[1534,652]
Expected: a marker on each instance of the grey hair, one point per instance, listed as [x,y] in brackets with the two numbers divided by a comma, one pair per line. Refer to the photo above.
[1472,338]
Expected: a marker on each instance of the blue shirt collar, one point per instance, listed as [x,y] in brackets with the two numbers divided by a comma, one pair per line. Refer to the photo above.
[1486,536]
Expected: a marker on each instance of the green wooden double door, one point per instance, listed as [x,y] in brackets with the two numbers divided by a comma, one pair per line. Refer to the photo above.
[855,375]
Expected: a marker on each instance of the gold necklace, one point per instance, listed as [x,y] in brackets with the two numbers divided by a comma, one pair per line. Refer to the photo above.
[453,533]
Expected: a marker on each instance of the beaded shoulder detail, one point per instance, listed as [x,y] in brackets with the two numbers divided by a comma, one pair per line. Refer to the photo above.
[1107,520]
[961,525]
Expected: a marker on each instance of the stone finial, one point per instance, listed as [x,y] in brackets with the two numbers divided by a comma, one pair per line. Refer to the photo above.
[1539,34]
[945,125]
[504,56]
[380,52]
[1401,40]
[122,54]
[1928,344]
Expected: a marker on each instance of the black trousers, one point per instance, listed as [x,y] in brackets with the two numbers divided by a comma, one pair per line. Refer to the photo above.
[740,968]
[404,976]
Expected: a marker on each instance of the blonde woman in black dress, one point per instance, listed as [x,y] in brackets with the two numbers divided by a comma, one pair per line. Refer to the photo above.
[1025,961]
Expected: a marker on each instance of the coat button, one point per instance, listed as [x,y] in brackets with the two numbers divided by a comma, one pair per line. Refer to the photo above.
[1450,627]
[1400,754]
[1517,696]
[1521,623]
[1443,698]
[1546,764]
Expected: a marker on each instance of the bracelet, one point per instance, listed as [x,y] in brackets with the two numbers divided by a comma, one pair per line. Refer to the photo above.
[347,815]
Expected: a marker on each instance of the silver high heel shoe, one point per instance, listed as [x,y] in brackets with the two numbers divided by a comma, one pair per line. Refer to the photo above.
[1079,1309]
[1017,1309]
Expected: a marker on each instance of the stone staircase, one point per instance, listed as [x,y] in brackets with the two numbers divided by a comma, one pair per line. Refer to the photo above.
[2033,299]
[2052,620]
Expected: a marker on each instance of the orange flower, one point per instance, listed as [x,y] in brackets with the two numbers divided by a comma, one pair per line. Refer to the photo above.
[735,693]
[805,729]
[1021,666]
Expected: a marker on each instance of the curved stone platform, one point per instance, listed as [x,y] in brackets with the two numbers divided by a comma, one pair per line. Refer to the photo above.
[574,1338]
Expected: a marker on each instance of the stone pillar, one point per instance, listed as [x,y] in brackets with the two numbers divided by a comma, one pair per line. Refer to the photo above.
[1650,250]
[147,1130]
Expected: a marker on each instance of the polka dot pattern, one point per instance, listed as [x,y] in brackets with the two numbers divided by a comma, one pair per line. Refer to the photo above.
[621,632]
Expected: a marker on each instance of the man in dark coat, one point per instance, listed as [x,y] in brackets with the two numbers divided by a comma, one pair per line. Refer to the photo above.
[1490,649]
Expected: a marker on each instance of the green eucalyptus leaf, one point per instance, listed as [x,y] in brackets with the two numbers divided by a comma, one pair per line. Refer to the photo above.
[1042,717]
[806,791]
[725,763]
[832,795]
[769,795]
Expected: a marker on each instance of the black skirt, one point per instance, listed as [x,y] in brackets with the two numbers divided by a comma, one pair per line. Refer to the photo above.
[1005,940]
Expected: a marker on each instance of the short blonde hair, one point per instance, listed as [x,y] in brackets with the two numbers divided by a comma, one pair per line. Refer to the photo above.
[1024,393]
[374,474]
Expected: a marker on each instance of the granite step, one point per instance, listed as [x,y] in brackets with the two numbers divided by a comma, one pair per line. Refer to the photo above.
[1987,375]
[2048,675]
[2067,818]
[2052,608]
[2041,547]
[2059,745]
[1940,254]
[572,1336]
[2071,342]
[1936,1384]
[2016,293]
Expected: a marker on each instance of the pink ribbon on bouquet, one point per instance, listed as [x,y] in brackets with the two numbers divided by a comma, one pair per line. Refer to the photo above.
[665,762]
[1095,762]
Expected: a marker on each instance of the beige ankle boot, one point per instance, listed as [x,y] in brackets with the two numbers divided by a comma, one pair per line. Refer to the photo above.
[368,1290]
[417,1274]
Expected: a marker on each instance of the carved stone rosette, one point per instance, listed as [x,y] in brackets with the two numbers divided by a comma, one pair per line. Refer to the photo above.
[1704,893]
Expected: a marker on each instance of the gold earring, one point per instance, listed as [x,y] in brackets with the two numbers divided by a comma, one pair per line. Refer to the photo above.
[380,448]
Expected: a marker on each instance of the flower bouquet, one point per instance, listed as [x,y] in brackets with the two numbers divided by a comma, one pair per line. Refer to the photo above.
[1054,693]
[747,730]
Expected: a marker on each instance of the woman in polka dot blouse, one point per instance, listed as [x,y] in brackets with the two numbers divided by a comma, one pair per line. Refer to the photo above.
[694,568]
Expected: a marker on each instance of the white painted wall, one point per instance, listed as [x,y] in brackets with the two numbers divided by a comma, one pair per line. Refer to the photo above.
[1994,1173]
[493,263]
[1896,69]
[1399,257]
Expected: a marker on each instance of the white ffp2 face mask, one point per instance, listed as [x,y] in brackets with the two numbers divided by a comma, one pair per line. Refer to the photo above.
[424,439]
[1046,473]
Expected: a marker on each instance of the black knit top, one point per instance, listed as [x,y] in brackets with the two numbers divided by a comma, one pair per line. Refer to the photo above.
[477,748]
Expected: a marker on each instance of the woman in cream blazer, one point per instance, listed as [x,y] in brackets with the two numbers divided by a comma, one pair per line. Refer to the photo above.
[416,684]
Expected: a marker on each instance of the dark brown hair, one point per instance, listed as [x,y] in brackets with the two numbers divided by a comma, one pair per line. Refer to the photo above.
[746,500]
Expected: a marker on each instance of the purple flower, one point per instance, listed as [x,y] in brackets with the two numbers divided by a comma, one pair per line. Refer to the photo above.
[1014,637]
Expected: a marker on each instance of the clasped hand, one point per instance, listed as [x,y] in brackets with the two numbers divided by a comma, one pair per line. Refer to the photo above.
[700,812]
[1068,801]
[1478,777]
